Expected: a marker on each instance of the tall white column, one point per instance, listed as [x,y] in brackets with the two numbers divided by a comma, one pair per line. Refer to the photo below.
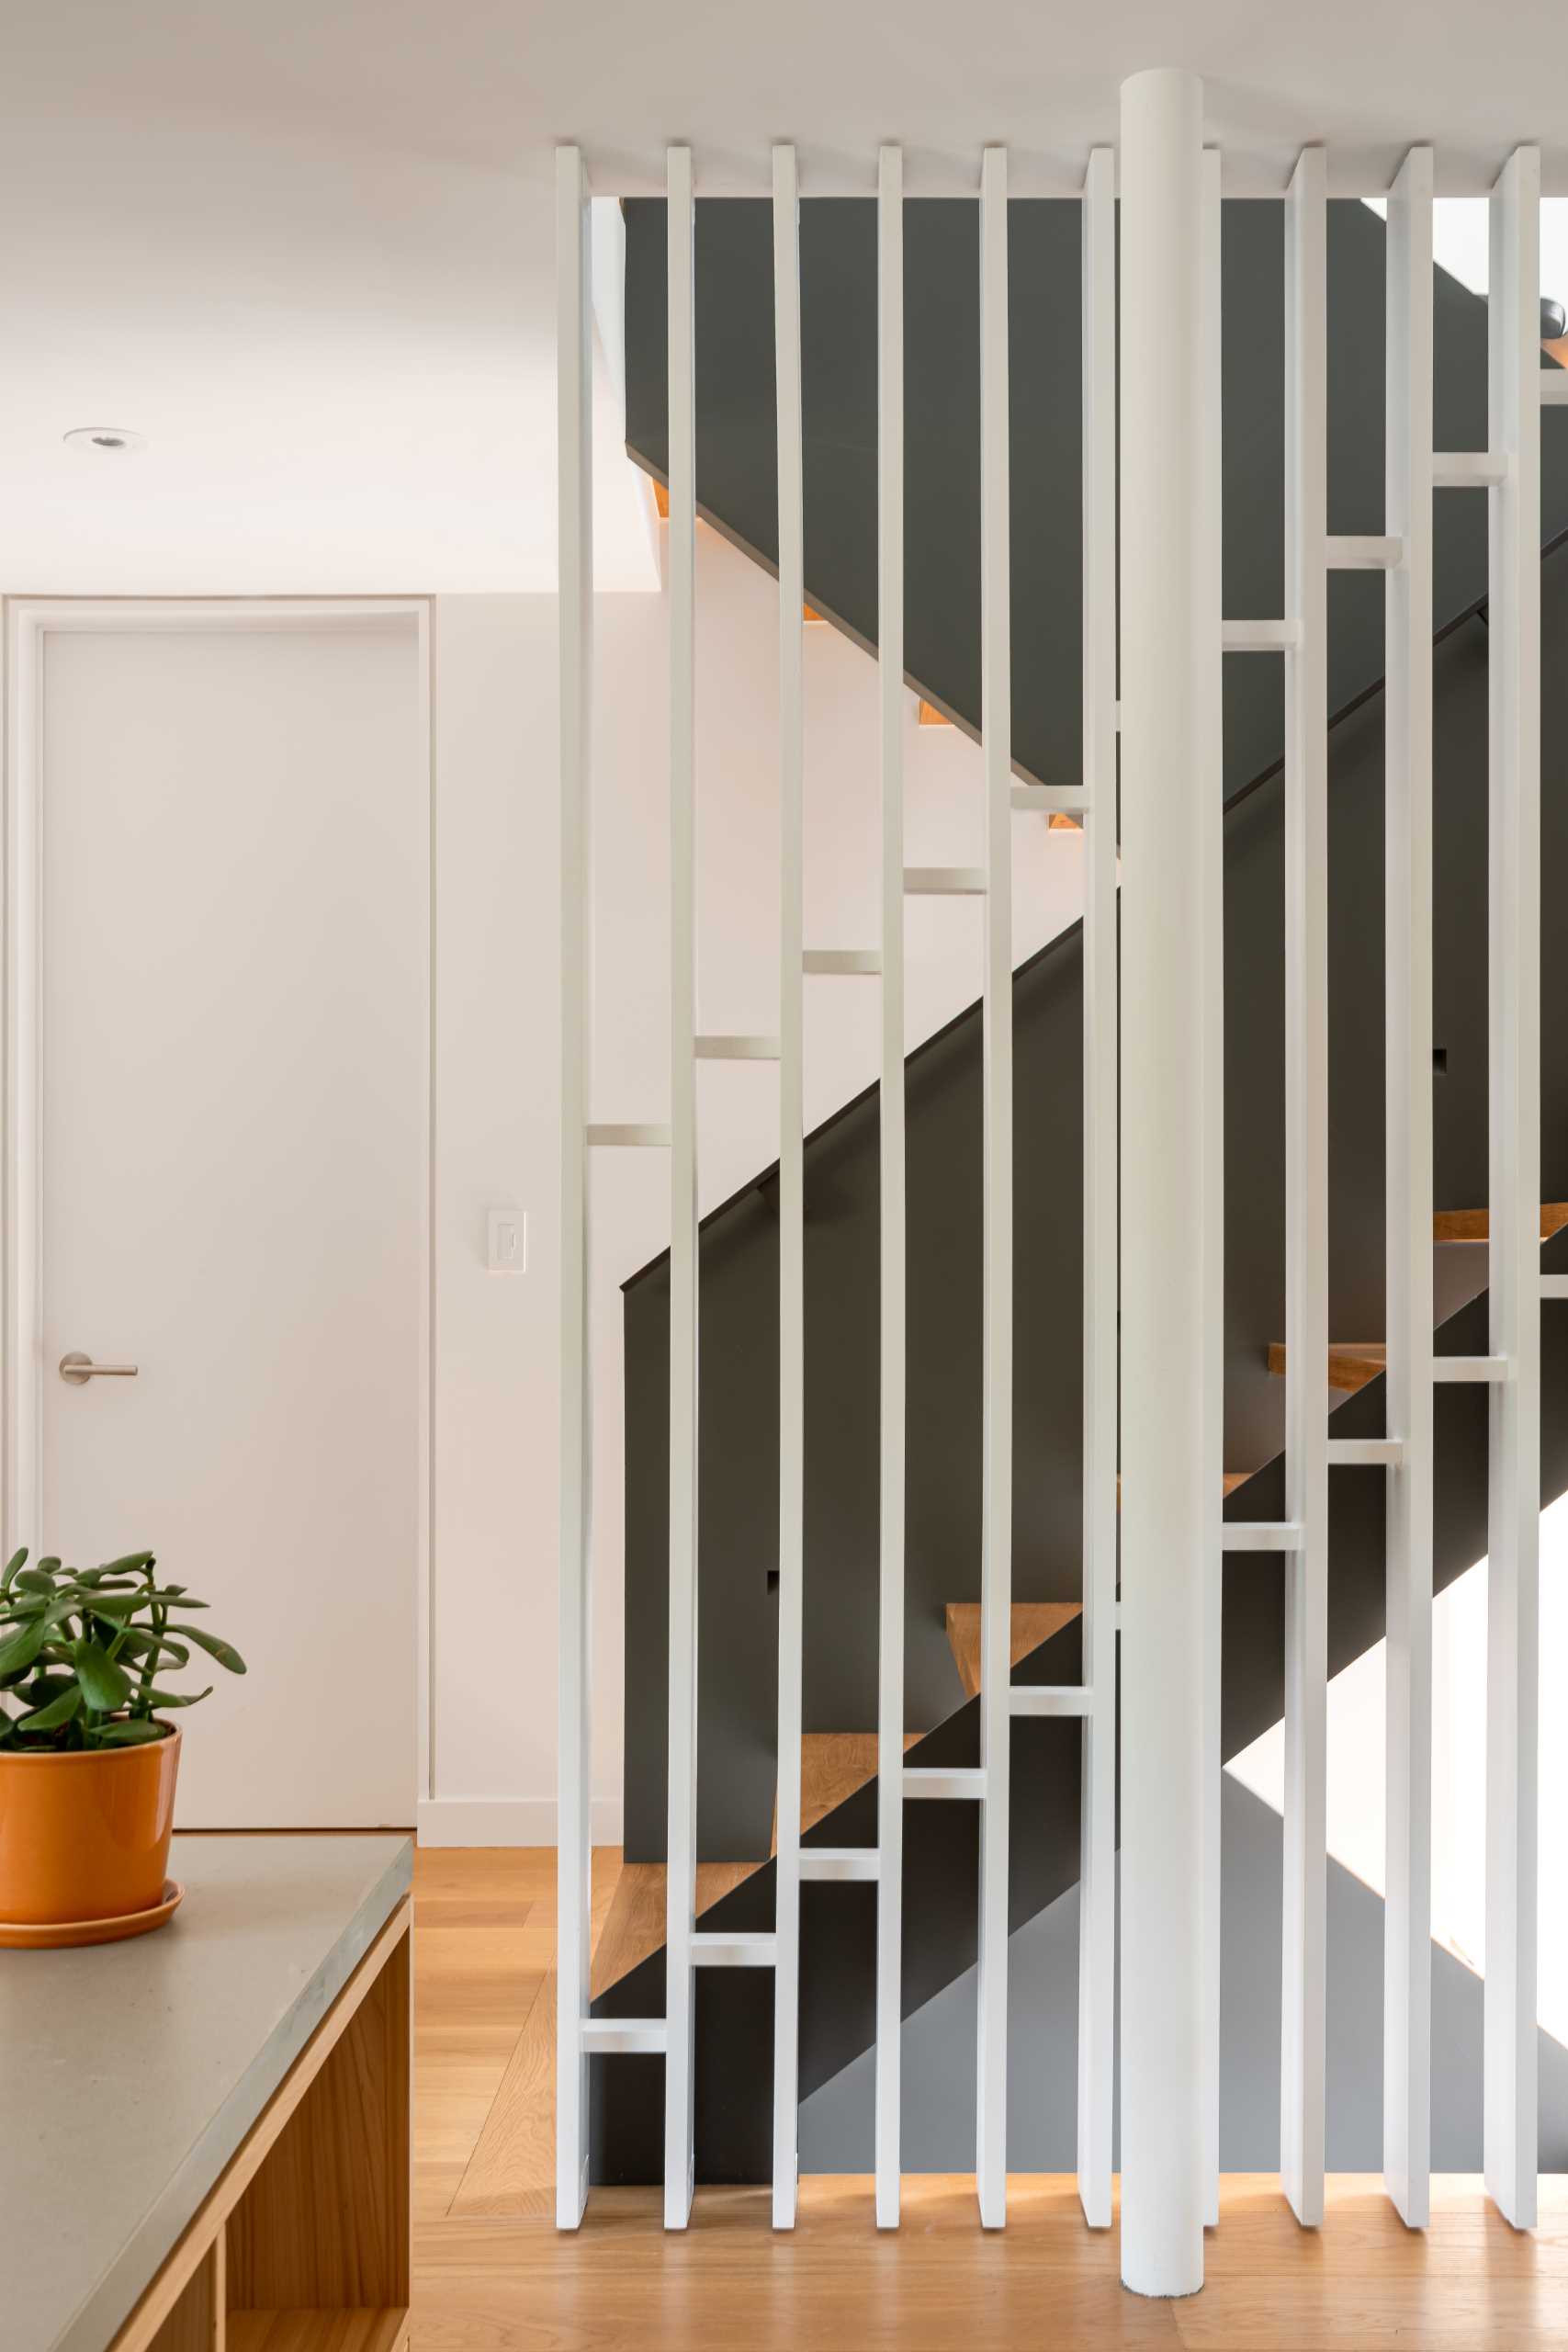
[1165,625]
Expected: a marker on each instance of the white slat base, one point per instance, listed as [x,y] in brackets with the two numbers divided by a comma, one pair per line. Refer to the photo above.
[1554,1286]
[1366,1453]
[1470,1368]
[736,1049]
[839,1865]
[1468,470]
[842,963]
[1051,1699]
[713,1949]
[1355,554]
[1261,1535]
[1554,388]
[618,1138]
[944,881]
[605,2037]
[1052,799]
[1259,636]
[968,1781]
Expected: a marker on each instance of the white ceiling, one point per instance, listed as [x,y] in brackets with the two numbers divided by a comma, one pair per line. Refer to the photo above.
[304,246]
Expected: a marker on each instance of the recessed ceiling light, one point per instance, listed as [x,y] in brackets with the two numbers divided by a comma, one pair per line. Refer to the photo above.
[103,437]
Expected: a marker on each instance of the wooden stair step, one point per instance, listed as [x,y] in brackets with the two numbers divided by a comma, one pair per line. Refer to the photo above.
[1033,1621]
[1352,1363]
[634,1922]
[1475,1225]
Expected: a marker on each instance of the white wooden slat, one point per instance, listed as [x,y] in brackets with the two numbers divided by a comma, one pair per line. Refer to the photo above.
[1211,923]
[1306,1190]
[745,1949]
[1097,1836]
[1554,388]
[716,1048]
[1261,1534]
[891,1339]
[996,1525]
[1354,554]
[1554,1286]
[1407,869]
[1509,2127]
[1260,637]
[1051,800]
[1366,1453]
[839,1865]
[681,1855]
[944,881]
[609,1137]
[792,1176]
[1464,1368]
[962,1783]
[574,384]
[1052,1699]
[611,2036]
[1468,468]
[842,963]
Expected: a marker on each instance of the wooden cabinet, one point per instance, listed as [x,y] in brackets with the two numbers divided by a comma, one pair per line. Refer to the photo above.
[303,2243]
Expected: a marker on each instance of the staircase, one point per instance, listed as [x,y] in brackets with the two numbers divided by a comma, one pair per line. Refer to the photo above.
[736,491]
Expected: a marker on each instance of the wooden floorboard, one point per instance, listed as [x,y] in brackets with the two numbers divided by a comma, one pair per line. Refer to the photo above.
[493,2274]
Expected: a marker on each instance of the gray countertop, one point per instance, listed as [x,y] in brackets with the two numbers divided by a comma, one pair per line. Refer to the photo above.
[130,2073]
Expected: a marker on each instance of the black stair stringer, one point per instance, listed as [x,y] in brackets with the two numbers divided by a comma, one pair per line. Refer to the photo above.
[838,1933]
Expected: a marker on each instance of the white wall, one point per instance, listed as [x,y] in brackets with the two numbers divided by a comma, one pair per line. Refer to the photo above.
[493,1711]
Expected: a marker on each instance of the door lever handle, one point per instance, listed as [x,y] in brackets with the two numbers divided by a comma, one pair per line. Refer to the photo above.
[79,1369]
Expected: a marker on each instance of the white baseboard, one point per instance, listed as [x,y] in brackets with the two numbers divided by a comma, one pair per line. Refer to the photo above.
[506,1821]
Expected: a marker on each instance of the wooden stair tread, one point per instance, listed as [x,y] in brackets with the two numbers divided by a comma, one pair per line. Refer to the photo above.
[1475,1225]
[1352,1363]
[634,1922]
[1033,1621]
[833,1765]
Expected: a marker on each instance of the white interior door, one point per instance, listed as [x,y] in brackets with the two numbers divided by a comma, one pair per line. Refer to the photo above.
[234,932]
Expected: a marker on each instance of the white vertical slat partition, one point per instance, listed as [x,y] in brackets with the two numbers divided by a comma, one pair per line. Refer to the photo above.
[890,1645]
[1514,1048]
[1210,919]
[1306,1192]
[1407,860]
[1097,1903]
[996,1534]
[575,389]
[681,1848]
[791,1261]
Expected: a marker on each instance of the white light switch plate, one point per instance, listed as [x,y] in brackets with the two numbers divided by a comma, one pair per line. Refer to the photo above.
[508,1241]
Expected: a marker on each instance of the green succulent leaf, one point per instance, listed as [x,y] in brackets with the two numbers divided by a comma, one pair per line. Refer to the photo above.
[139,1640]
[21,1649]
[58,1710]
[34,1581]
[225,1652]
[116,1607]
[131,1564]
[172,1698]
[135,1732]
[14,1566]
[105,1685]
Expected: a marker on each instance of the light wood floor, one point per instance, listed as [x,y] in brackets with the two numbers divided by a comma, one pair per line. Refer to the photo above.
[493,2275]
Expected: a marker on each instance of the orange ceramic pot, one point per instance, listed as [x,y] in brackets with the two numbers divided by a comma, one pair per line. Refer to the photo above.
[85,1835]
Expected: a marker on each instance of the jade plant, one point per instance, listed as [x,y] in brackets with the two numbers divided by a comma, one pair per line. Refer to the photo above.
[85,1653]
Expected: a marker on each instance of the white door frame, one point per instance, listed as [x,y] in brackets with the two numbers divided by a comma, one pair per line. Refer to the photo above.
[30,621]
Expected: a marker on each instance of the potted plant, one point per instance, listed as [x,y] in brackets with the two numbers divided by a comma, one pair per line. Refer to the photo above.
[87,1763]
